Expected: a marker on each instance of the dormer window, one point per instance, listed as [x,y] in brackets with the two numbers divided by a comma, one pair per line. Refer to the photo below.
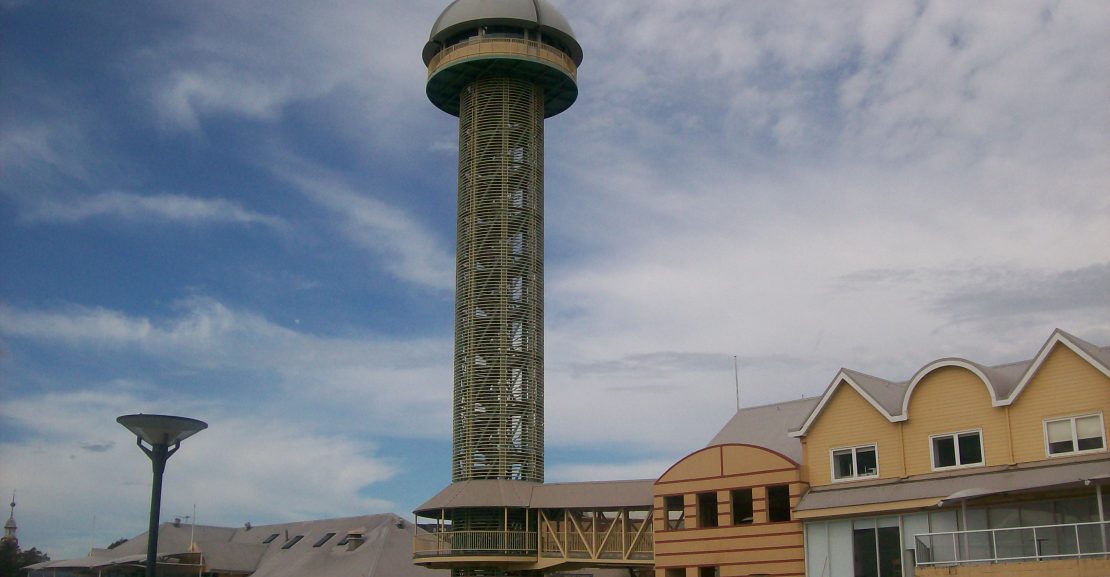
[957,449]
[1071,435]
[851,463]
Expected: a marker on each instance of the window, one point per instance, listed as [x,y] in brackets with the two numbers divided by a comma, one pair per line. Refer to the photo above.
[707,509]
[1075,435]
[709,571]
[855,463]
[778,503]
[674,572]
[742,511]
[292,541]
[349,537]
[676,511]
[323,540]
[957,449]
[270,539]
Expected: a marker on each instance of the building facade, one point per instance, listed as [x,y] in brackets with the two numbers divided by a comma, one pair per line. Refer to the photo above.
[962,470]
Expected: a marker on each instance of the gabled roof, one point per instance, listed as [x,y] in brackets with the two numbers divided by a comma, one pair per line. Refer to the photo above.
[881,394]
[1004,383]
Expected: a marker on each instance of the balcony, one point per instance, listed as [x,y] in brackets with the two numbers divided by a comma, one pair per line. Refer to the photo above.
[1012,545]
[475,544]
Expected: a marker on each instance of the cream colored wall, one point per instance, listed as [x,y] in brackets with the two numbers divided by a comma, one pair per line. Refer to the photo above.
[951,400]
[760,547]
[848,420]
[1065,385]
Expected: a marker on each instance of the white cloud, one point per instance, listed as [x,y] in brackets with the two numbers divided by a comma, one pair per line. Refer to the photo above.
[404,246]
[148,208]
[376,380]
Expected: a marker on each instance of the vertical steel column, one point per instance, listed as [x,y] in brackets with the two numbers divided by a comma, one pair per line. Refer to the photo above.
[498,381]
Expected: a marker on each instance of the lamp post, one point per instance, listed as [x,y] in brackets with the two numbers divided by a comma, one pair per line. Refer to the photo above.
[164,434]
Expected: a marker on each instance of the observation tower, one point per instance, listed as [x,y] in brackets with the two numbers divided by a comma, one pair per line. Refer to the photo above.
[502,67]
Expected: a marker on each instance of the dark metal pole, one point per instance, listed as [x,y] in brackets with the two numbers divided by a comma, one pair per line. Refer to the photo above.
[158,455]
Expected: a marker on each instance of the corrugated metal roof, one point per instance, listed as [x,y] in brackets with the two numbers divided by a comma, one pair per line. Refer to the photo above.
[505,493]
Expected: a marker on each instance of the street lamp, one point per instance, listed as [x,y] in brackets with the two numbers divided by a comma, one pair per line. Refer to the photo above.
[161,432]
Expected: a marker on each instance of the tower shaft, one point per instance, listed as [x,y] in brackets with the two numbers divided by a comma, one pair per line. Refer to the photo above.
[498,380]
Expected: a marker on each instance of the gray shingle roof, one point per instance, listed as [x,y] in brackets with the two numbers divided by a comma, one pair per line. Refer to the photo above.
[767,426]
[385,551]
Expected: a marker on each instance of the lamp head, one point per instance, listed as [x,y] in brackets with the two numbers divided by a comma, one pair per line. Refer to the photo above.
[161,429]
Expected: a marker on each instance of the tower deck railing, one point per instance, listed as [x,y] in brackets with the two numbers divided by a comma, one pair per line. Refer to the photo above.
[486,46]
[470,543]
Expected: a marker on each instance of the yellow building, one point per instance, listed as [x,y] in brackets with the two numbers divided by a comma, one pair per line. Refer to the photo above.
[962,470]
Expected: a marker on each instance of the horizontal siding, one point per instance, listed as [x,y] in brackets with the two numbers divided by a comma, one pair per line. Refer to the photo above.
[849,420]
[1065,385]
[949,400]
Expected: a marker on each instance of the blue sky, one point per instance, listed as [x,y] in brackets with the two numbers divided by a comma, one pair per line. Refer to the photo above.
[243,212]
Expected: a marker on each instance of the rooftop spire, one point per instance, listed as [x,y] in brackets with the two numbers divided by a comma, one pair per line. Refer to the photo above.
[9,527]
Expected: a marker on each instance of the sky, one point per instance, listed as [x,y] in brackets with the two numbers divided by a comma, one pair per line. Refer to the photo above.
[243,212]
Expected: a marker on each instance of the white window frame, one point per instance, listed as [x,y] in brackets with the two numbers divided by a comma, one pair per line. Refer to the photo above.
[956,443]
[855,469]
[1074,435]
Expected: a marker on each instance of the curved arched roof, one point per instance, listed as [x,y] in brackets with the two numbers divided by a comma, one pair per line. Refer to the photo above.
[464,14]
[1004,383]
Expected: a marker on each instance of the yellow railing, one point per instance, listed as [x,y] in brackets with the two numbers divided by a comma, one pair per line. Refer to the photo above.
[486,46]
[464,543]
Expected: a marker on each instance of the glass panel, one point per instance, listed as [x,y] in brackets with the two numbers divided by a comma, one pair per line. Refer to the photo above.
[817,548]
[707,509]
[944,452]
[890,554]
[675,511]
[943,546]
[864,553]
[914,524]
[1059,436]
[1090,539]
[842,464]
[742,506]
[778,503]
[1002,517]
[840,548]
[1077,510]
[971,450]
[866,464]
[1089,431]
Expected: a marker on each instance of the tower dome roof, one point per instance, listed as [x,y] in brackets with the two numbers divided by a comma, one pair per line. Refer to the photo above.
[464,14]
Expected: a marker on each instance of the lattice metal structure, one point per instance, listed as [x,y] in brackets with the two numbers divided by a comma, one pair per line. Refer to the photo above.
[498,392]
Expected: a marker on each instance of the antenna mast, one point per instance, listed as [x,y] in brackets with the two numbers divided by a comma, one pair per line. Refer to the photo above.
[736,374]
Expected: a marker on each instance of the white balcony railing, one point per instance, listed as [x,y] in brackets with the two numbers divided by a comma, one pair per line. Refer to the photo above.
[1040,542]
